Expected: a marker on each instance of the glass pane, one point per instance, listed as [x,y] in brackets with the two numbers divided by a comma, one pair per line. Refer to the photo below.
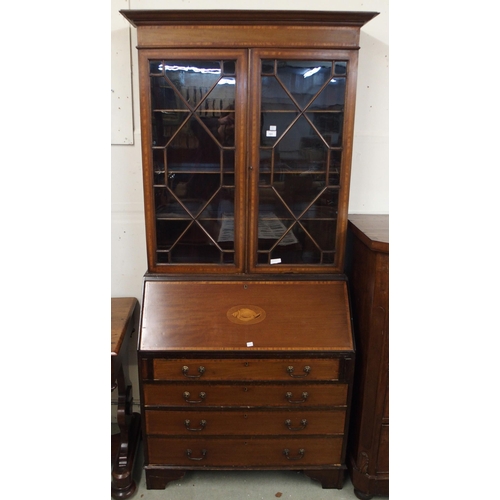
[228,161]
[193,151]
[164,97]
[268,66]
[334,172]
[274,230]
[304,79]
[222,96]
[159,166]
[329,125]
[324,206]
[271,202]
[332,97]
[322,234]
[167,233]
[193,78]
[274,126]
[274,97]
[340,68]
[300,158]
[193,146]
[156,67]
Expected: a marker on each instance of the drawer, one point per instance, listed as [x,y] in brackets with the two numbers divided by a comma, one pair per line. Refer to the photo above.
[278,452]
[250,422]
[251,395]
[246,369]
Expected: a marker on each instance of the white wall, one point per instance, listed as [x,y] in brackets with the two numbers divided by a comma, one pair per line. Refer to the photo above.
[370,168]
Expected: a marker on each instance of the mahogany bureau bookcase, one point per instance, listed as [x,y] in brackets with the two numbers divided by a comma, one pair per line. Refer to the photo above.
[246,352]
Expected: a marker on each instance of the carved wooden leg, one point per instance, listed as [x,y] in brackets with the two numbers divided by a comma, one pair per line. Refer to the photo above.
[329,478]
[123,484]
[158,479]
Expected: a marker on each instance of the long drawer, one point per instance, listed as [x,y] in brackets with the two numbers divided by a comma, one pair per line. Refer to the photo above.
[251,395]
[245,452]
[246,369]
[251,422]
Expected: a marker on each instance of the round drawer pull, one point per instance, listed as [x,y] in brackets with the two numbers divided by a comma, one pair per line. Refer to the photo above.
[286,452]
[187,395]
[289,396]
[203,424]
[303,424]
[306,370]
[185,370]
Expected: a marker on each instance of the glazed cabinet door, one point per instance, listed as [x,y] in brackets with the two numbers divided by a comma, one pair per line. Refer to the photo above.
[247,158]
[302,116]
[193,121]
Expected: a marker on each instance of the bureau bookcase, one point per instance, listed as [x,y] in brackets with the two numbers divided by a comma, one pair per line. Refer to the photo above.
[246,352]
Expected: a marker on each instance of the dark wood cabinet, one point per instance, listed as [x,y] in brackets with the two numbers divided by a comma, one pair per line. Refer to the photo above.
[368,271]
[246,356]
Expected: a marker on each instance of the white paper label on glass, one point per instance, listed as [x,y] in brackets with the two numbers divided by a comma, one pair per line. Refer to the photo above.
[272,131]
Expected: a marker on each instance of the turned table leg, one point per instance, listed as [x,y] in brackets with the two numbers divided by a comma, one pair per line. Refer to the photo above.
[123,485]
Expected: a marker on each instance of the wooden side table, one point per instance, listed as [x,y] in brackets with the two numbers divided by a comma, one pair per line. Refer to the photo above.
[123,445]
[368,271]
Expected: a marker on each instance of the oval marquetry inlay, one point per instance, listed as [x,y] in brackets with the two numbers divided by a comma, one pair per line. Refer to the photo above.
[246,314]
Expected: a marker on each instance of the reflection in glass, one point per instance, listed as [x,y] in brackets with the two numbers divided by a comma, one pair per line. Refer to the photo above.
[302,115]
[304,79]
[193,151]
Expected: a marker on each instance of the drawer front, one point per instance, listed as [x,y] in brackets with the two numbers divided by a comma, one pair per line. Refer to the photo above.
[279,452]
[250,422]
[246,369]
[285,395]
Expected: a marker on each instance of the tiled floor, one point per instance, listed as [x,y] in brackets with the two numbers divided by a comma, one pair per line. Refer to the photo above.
[242,485]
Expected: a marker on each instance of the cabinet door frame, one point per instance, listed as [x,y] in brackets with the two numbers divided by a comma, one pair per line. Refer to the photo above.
[241,57]
[256,56]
